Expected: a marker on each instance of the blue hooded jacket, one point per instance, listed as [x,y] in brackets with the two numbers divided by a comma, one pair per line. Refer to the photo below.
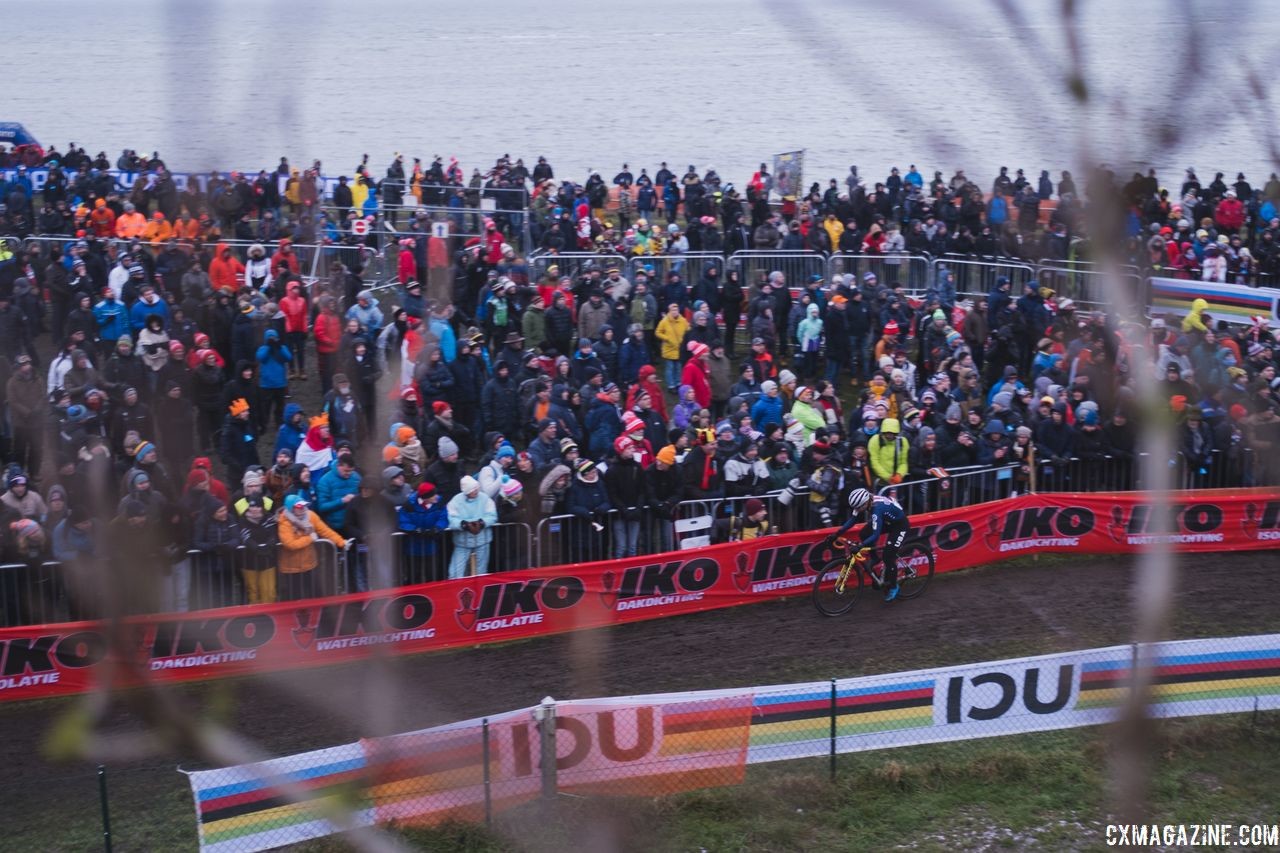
[997,211]
[113,319]
[330,491]
[273,360]
[767,410]
[944,287]
[140,310]
[290,436]
[444,334]
[418,520]
[603,426]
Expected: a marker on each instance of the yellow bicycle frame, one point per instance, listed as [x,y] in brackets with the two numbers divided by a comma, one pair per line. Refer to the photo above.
[850,562]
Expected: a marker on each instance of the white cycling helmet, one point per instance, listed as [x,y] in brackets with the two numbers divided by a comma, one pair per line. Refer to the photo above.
[859,498]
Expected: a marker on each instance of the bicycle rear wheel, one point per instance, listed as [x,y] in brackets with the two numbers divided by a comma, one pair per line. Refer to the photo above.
[829,600]
[915,569]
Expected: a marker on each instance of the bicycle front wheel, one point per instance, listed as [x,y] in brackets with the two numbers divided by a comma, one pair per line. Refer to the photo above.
[829,596]
[915,568]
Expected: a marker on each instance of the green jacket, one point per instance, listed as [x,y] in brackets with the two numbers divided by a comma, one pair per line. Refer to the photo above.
[809,417]
[887,458]
[533,325]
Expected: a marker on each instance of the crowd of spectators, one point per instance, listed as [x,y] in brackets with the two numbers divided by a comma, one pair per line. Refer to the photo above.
[1216,231]
[168,394]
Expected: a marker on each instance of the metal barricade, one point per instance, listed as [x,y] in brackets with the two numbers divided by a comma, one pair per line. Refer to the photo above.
[570,539]
[961,487]
[976,277]
[1105,474]
[1260,469]
[329,577]
[32,594]
[572,263]
[45,241]
[694,523]
[420,556]
[691,266]
[1264,277]
[215,578]
[1088,287]
[1219,470]
[309,254]
[657,533]
[468,219]
[785,516]
[754,267]
[914,272]
[512,547]
[257,570]
[493,199]
[381,271]
[312,257]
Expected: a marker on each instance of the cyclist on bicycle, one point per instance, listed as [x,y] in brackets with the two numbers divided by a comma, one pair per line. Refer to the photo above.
[885,518]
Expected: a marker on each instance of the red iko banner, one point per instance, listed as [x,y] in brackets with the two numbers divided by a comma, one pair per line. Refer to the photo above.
[52,660]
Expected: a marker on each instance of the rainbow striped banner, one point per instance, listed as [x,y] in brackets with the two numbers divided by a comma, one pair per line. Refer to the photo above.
[1231,302]
[1247,673]
[282,801]
[435,775]
[647,746]
[785,723]
[661,744]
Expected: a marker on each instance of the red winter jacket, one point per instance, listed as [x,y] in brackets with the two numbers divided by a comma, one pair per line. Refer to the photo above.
[281,261]
[1229,214]
[695,375]
[493,246]
[649,383]
[407,266]
[295,312]
[328,332]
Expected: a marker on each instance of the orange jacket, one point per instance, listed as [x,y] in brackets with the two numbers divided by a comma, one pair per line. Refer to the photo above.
[886,346]
[187,230]
[103,220]
[225,273]
[297,550]
[157,232]
[130,225]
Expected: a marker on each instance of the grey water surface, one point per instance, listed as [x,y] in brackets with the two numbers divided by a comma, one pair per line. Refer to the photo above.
[724,83]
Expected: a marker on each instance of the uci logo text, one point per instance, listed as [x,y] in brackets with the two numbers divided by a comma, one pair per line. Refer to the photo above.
[990,695]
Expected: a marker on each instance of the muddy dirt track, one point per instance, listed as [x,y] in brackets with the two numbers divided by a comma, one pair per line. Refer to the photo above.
[1006,610]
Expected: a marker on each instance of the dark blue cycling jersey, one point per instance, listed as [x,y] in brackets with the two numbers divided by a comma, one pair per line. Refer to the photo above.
[885,514]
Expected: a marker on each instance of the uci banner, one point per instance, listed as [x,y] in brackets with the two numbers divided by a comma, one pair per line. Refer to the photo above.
[52,660]
[660,744]
[632,746]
